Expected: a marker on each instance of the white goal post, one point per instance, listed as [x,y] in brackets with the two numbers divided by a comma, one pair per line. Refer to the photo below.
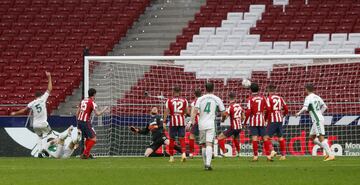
[131,85]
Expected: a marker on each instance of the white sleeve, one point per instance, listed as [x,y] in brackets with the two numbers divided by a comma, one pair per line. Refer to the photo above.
[166,104]
[228,110]
[197,104]
[220,104]
[30,105]
[45,96]
[306,103]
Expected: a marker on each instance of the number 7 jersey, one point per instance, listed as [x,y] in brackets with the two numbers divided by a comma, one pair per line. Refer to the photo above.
[177,110]
[256,107]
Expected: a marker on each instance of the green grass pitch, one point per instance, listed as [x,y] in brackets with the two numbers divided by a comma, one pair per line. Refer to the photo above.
[144,171]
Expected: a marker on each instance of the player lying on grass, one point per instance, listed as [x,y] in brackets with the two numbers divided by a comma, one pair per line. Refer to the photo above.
[194,130]
[61,146]
[316,106]
[38,108]
[277,110]
[236,114]
[256,110]
[177,108]
[87,106]
[206,106]
[155,128]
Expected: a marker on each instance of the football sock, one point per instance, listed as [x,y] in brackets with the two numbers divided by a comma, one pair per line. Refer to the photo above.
[267,144]
[317,142]
[255,147]
[171,147]
[182,144]
[326,147]
[88,145]
[209,152]
[221,143]
[203,152]
[191,145]
[283,147]
[177,148]
[237,144]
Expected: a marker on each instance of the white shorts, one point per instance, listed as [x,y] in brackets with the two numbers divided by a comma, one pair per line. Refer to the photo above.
[317,129]
[207,135]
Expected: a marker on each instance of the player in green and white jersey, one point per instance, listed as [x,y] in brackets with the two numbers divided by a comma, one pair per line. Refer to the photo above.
[315,105]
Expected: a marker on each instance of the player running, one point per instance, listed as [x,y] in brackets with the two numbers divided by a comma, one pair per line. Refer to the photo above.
[277,110]
[87,106]
[315,105]
[176,107]
[194,130]
[155,128]
[237,115]
[206,106]
[61,146]
[38,108]
[256,110]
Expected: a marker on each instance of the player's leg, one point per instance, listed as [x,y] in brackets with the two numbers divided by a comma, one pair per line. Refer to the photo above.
[172,134]
[321,134]
[90,140]
[236,141]
[181,136]
[193,133]
[221,142]
[269,132]
[202,141]
[210,135]
[255,142]
[282,141]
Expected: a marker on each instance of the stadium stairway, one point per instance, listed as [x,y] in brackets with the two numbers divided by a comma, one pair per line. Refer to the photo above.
[157,27]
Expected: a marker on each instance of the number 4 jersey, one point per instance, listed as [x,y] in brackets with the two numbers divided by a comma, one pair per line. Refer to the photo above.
[207,105]
[177,110]
[38,107]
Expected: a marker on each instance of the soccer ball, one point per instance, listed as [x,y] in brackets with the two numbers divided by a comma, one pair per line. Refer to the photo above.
[246,83]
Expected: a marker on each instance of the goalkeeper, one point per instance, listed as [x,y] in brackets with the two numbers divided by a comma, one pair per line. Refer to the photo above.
[155,128]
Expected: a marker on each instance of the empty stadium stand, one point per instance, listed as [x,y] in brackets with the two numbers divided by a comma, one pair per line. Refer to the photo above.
[50,35]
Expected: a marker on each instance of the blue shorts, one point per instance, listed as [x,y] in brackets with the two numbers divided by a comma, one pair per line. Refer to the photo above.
[195,129]
[86,129]
[177,132]
[257,131]
[274,128]
[232,132]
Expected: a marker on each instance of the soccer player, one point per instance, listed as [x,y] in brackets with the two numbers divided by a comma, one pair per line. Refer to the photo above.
[194,131]
[38,108]
[87,106]
[237,115]
[206,106]
[277,110]
[315,105]
[176,107]
[256,108]
[158,137]
[63,145]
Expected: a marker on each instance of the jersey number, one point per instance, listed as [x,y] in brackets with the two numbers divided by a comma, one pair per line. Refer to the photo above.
[317,105]
[276,104]
[38,108]
[259,104]
[237,111]
[178,106]
[207,107]
[83,105]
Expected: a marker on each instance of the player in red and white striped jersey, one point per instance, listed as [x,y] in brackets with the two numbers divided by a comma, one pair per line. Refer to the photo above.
[194,131]
[236,114]
[177,108]
[277,110]
[255,113]
[87,106]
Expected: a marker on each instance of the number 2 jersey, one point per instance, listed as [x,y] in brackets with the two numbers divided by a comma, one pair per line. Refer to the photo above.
[314,104]
[177,110]
[38,107]
[87,106]
[277,109]
[256,107]
[235,114]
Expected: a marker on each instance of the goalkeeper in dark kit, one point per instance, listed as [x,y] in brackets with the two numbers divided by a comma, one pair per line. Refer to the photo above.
[155,128]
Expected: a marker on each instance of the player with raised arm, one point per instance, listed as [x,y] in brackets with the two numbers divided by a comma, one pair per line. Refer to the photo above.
[155,128]
[39,111]
[176,107]
[277,110]
[236,114]
[206,106]
[256,110]
[61,146]
[194,130]
[87,106]
[315,105]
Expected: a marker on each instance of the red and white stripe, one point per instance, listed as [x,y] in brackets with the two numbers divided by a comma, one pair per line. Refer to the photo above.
[258,120]
[177,120]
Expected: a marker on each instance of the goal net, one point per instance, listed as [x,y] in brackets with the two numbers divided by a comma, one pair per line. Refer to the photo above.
[130,86]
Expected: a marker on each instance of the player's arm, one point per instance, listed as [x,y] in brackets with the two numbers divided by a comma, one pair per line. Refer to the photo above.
[19,112]
[221,107]
[50,87]
[247,112]
[99,113]
[194,112]
[77,111]
[285,107]
[143,131]
[304,108]
[225,115]
[166,113]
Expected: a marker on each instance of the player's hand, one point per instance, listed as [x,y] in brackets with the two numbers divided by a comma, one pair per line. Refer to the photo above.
[188,125]
[297,114]
[12,113]
[133,129]
[48,74]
